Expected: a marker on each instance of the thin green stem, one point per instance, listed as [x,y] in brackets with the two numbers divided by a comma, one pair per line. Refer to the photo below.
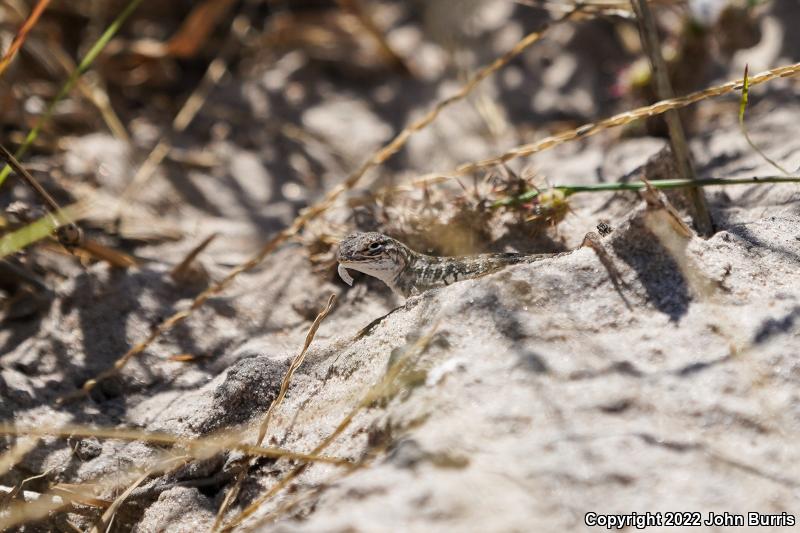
[638,185]
[84,65]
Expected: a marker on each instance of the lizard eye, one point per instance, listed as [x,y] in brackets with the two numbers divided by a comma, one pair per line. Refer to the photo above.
[375,246]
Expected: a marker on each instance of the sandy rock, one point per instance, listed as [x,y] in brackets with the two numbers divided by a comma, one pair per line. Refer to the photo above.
[183,510]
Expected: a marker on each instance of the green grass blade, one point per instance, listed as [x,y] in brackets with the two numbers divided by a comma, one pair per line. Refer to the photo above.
[639,185]
[38,230]
[745,94]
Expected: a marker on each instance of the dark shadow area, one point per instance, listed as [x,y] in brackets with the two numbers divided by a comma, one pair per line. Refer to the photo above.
[657,271]
[741,231]
[777,326]
[510,326]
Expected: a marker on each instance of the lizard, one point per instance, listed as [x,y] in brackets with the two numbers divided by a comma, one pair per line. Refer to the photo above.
[408,272]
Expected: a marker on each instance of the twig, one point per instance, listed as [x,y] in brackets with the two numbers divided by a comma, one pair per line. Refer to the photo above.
[742,108]
[385,387]
[26,176]
[262,431]
[82,67]
[677,137]
[312,211]
[181,270]
[622,119]
[214,73]
[197,448]
[16,44]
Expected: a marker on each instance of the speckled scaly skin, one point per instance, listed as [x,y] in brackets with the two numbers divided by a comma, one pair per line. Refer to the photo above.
[407,272]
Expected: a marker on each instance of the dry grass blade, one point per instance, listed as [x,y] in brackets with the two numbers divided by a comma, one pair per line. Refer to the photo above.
[16,453]
[74,493]
[10,493]
[214,73]
[386,387]
[19,39]
[311,212]
[197,27]
[82,67]
[92,92]
[742,109]
[181,270]
[34,507]
[677,135]
[296,362]
[202,448]
[355,7]
[23,512]
[62,496]
[627,117]
[111,256]
[105,520]
[43,504]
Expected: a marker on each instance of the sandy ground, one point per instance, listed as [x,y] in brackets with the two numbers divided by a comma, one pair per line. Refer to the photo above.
[662,380]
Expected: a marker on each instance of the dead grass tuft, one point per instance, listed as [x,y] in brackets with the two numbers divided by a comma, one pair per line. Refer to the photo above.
[262,430]
[464,218]
[392,382]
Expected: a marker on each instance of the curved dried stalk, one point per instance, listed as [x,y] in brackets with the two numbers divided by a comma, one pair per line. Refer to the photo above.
[19,39]
[233,492]
[16,453]
[743,127]
[82,67]
[315,210]
[56,499]
[386,388]
[201,448]
[625,118]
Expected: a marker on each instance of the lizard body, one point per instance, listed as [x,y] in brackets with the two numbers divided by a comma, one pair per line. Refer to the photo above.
[407,272]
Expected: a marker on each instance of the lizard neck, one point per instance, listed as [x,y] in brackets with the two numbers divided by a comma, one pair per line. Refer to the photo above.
[404,282]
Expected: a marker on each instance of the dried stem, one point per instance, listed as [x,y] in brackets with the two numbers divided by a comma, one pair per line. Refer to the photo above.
[677,136]
[262,431]
[82,67]
[313,211]
[622,119]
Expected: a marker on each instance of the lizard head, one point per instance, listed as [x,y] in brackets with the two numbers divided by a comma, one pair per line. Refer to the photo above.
[374,254]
